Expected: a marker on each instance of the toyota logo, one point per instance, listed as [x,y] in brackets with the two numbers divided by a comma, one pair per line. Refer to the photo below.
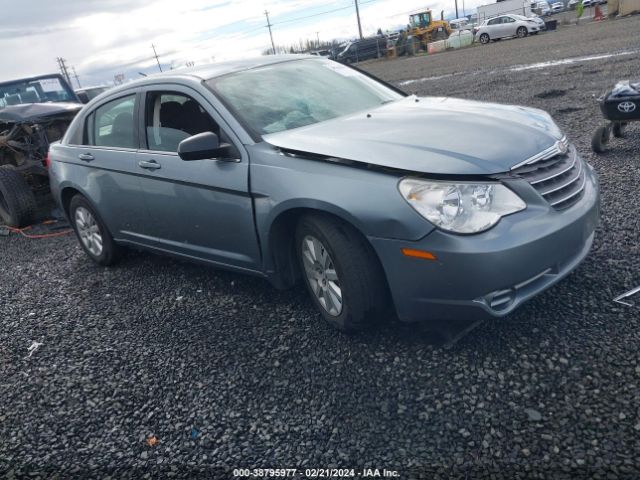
[626,107]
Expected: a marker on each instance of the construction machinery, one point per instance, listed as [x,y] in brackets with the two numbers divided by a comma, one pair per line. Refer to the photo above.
[424,29]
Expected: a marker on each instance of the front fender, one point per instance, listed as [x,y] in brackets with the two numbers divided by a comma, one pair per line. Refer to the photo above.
[367,199]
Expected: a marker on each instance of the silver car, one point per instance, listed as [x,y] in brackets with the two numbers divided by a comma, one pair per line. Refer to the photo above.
[508,26]
[294,168]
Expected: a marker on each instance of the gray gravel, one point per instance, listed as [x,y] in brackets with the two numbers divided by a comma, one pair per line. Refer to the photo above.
[225,371]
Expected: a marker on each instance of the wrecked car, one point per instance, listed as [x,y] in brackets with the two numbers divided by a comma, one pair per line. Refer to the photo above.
[33,113]
[296,167]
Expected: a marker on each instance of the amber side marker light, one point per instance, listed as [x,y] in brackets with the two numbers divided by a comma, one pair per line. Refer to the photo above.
[412,252]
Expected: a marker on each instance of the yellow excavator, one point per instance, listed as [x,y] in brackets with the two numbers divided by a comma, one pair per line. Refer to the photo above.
[425,29]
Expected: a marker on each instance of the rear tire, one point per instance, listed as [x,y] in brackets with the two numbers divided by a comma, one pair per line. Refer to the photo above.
[600,139]
[17,202]
[88,226]
[354,293]
[484,38]
[522,32]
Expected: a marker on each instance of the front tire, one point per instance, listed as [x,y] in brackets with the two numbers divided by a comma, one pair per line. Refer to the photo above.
[92,233]
[341,272]
[600,139]
[522,32]
[484,38]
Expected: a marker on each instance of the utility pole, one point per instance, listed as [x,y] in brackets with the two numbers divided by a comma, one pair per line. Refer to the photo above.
[76,77]
[63,69]
[359,25]
[456,8]
[318,39]
[273,45]
[156,55]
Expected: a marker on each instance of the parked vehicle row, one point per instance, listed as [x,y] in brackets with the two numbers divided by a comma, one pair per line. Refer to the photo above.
[302,168]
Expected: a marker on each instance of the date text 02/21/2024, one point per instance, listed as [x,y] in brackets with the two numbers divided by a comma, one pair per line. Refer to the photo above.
[315,473]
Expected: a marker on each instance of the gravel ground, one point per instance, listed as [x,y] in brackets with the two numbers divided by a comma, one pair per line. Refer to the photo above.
[225,371]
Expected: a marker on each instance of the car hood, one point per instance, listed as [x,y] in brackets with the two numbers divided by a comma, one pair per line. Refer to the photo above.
[33,112]
[436,135]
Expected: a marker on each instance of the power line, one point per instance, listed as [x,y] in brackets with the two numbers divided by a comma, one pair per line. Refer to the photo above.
[348,7]
[273,45]
[310,16]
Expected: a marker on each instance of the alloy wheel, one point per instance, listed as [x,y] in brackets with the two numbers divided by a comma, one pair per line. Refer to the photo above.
[88,231]
[321,275]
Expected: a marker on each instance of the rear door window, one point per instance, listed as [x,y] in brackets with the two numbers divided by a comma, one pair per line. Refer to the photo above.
[113,124]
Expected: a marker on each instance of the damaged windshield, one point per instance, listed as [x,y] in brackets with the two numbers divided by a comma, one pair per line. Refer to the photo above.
[35,90]
[297,93]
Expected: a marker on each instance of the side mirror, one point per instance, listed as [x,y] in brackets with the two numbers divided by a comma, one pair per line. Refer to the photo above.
[200,147]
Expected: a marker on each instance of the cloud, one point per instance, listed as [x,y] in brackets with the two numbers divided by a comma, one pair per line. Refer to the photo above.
[104,37]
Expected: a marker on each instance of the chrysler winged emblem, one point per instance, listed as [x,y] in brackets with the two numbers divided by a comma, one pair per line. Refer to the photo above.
[562,147]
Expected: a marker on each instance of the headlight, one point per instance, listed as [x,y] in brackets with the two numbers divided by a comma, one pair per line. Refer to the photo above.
[460,207]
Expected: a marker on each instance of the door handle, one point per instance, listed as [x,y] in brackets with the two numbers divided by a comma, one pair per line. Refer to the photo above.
[87,157]
[149,165]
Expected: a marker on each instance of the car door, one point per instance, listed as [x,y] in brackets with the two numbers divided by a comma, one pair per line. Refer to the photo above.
[199,208]
[108,153]
[508,26]
[493,27]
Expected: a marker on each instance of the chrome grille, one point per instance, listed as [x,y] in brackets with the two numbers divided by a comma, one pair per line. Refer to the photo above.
[560,179]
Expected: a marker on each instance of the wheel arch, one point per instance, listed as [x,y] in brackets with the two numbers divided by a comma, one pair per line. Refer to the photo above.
[67,192]
[279,249]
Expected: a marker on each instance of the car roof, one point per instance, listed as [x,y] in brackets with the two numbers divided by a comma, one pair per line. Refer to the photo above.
[213,70]
[31,79]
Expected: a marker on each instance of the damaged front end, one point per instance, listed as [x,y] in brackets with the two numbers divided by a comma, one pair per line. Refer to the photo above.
[26,131]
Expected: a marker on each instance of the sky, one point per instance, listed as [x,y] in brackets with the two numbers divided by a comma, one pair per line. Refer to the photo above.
[102,38]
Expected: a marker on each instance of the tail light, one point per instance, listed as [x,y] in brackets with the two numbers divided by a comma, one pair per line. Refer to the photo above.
[47,160]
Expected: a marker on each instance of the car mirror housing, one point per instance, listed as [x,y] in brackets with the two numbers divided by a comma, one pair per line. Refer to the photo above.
[200,147]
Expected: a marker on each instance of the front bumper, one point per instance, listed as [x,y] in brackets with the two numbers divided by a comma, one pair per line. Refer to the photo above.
[490,274]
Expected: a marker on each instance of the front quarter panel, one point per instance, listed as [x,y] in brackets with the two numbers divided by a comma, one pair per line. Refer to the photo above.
[368,199]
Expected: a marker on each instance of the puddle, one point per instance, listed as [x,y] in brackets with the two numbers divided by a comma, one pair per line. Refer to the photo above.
[569,61]
[521,68]
[566,110]
[425,79]
[551,94]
